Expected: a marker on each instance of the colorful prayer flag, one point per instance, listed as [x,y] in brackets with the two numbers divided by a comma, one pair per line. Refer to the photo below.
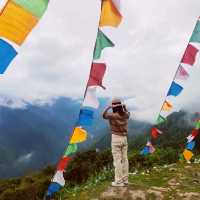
[148,143]
[155,132]
[58,178]
[36,7]
[175,89]
[190,138]
[102,42]
[197,124]
[79,135]
[151,147]
[110,15]
[72,148]
[90,99]
[145,151]
[182,74]
[63,163]
[7,54]
[189,56]
[187,155]
[53,188]
[196,34]
[16,23]
[195,132]
[190,146]
[96,74]
[167,106]
[181,158]
[160,120]
[86,117]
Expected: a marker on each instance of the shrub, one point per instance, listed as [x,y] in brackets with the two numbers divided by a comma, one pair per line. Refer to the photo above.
[160,157]
[85,165]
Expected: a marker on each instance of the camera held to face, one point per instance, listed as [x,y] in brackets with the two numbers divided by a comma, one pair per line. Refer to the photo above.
[117,106]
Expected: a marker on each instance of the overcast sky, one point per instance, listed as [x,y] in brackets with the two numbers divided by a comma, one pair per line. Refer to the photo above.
[56,57]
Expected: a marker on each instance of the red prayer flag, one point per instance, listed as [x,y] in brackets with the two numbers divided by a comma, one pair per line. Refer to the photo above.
[190,55]
[96,74]
[155,132]
[63,163]
[195,132]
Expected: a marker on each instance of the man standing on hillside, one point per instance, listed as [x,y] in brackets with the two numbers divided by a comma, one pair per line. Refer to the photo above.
[118,120]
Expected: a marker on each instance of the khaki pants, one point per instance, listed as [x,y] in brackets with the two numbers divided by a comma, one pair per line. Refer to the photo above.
[120,159]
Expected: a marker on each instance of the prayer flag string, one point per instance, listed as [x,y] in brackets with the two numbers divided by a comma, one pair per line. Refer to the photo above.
[17,19]
[182,74]
[110,17]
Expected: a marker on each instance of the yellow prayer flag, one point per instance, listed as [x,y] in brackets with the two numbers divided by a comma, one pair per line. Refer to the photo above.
[110,16]
[187,155]
[16,23]
[167,106]
[79,135]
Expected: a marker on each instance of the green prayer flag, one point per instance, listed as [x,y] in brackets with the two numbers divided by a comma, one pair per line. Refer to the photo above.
[72,148]
[160,120]
[102,42]
[197,124]
[181,158]
[196,34]
[36,7]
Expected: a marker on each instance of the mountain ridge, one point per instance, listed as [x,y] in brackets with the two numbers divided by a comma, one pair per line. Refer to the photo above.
[34,135]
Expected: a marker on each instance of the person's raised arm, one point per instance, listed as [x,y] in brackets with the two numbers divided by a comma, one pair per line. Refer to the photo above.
[126,111]
[105,112]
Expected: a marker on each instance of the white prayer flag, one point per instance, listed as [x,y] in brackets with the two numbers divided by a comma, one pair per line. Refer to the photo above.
[90,98]
[190,138]
[58,178]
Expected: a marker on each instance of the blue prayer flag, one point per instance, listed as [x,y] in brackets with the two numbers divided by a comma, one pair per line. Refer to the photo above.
[86,117]
[190,146]
[7,54]
[175,89]
[53,188]
[145,151]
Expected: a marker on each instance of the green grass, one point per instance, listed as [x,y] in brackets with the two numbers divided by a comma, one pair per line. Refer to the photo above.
[89,190]
[153,179]
[157,178]
[30,187]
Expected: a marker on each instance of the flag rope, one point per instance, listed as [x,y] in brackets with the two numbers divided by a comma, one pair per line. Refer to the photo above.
[176,88]
[110,16]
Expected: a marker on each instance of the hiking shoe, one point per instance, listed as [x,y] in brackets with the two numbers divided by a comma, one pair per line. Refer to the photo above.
[126,183]
[115,184]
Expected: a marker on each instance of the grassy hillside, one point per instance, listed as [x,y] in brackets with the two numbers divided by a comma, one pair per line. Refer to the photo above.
[30,187]
[89,170]
[169,182]
[90,173]
[151,178]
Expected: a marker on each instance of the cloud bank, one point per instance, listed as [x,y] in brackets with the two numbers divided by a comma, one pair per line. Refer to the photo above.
[55,59]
